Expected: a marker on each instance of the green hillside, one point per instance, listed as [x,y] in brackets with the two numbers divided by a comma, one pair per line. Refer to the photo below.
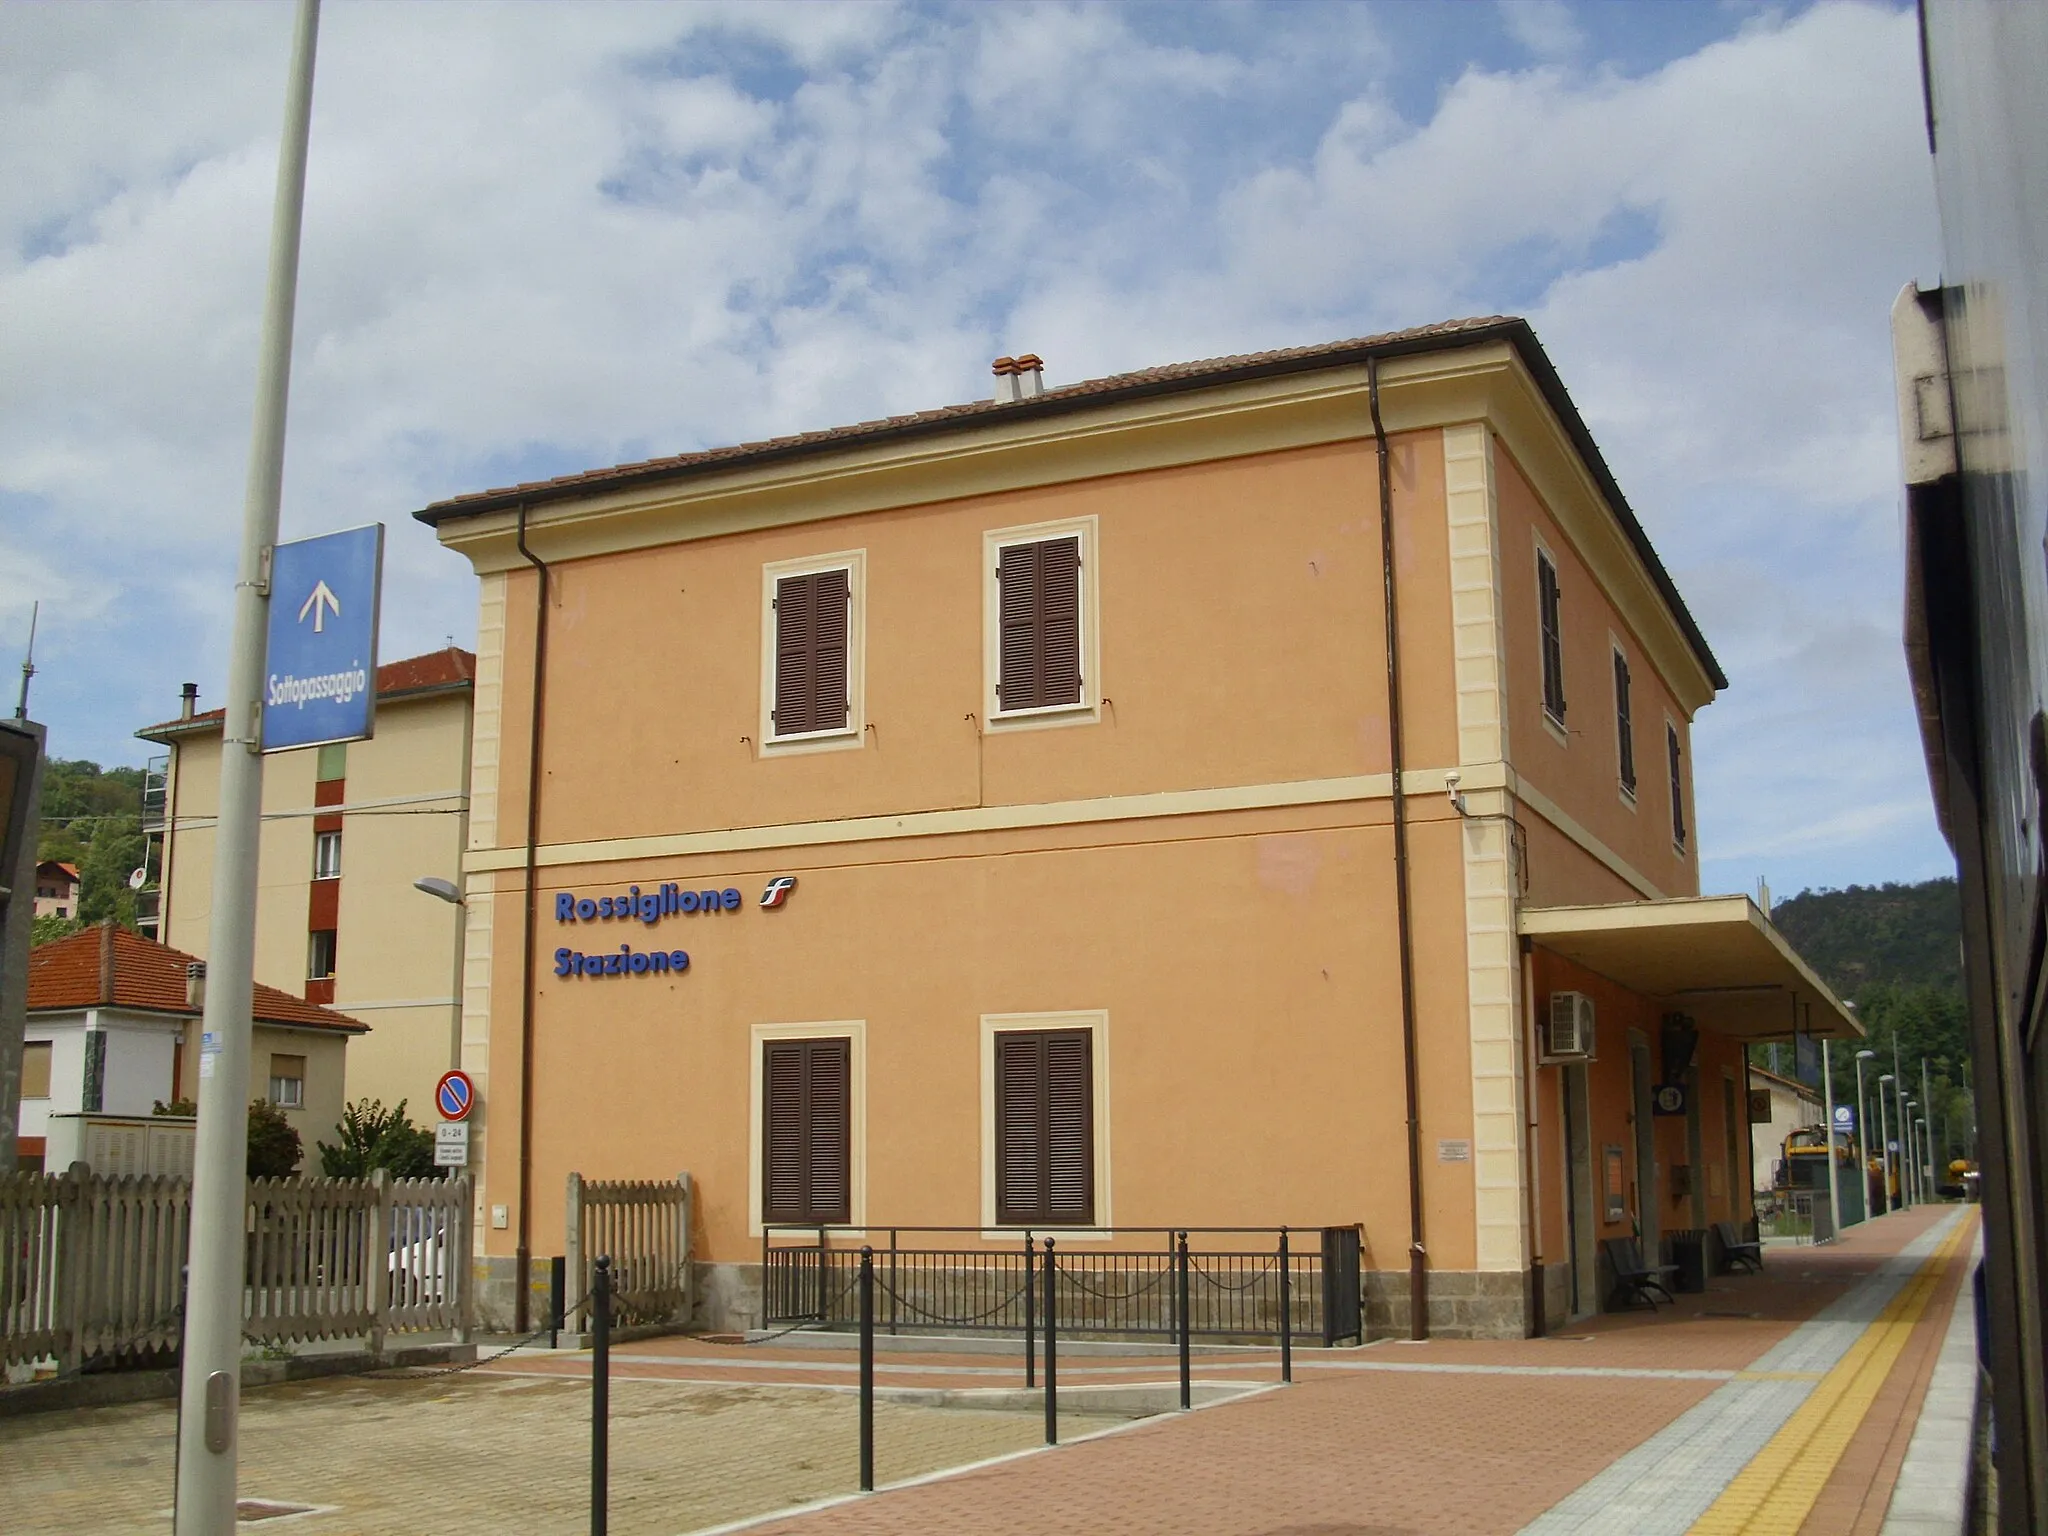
[1911,935]
[1895,951]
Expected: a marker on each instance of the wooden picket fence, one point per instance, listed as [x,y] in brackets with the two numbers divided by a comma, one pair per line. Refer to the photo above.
[644,1227]
[92,1265]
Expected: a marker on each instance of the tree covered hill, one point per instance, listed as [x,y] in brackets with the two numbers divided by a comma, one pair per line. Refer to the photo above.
[1896,952]
[92,817]
[1906,935]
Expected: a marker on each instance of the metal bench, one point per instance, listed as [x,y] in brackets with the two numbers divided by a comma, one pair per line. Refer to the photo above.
[1735,1251]
[1633,1279]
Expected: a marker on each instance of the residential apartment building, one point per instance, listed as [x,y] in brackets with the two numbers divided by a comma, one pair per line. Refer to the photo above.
[347,830]
[1247,792]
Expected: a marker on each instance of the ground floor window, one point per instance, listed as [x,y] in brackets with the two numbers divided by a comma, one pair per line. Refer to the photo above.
[807,1130]
[1045,1127]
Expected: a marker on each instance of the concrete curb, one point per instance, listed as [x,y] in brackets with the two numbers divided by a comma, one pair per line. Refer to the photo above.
[1011,1344]
[1931,1496]
[112,1387]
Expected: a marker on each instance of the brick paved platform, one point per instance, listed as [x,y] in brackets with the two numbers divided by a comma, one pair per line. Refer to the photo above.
[1472,1437]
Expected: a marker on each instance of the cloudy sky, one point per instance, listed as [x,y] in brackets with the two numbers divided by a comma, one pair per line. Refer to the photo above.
[542,238]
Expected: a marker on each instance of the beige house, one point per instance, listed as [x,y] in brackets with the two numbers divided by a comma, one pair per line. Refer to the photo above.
[113,1030]
[1778,1107]
[347,830]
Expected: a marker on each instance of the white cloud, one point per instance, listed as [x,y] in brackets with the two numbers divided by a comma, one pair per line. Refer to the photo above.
[540,238]
[1545,27]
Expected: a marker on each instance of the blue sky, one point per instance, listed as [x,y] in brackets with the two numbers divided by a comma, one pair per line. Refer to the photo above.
[544,238]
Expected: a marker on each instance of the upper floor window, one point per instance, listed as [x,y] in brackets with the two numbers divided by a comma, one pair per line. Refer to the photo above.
[812,642]
[332,762]
[1547,607]
[326,855]
[288,1082]
[320,954]
[1677,785]
[1624,725]
[35,1070]
[1040,647]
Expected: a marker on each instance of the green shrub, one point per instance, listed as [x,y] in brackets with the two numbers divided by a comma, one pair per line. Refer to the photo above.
[274,1147]
[374,1137]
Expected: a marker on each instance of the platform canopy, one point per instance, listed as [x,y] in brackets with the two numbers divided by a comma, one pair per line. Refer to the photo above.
[1714,958]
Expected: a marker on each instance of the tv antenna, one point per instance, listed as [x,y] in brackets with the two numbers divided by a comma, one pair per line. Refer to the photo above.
[28,663]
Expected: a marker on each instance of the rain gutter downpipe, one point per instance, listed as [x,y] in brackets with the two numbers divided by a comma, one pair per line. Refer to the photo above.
[521,1298]
[1418,1255]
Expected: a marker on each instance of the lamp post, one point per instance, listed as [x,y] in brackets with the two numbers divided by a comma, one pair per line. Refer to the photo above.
[446,890]
[1884,1139]
[1911,1147]
[1927,1098]
[1827,1078]
[1899,1114]
[1863,1129]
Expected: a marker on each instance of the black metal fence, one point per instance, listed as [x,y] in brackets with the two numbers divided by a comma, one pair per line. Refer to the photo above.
[1126,1284]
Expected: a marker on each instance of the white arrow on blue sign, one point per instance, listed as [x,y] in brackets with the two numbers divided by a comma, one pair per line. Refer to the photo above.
[320,678]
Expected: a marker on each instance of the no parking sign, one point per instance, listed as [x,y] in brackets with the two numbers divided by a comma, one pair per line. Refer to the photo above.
[455,1095]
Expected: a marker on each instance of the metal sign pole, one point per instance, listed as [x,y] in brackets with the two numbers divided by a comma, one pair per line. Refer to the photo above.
[1827,1078]
[211,1394]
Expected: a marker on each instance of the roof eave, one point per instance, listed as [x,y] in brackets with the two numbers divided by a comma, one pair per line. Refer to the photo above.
[1517,333]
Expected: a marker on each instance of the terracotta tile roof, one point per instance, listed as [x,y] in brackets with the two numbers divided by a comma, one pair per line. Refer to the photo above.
[1171,378]
[75,972]
[70,871]
[1212,370]
[450,667]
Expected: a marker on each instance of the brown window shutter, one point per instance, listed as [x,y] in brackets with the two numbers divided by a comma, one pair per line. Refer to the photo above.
[1624,723]
[1677,786]
[831,1130]
[1040,621]
[783,1156]
[1020,1140]
[810,653]
[1549,605]
[807,1123]
[1045,1131]
[1070,1181]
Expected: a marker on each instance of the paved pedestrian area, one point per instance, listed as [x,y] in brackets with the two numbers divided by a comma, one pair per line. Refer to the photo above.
[492,1455]
[1788,1402]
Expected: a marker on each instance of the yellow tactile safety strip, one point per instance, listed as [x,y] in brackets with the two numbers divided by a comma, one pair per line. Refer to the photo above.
[1773,1495]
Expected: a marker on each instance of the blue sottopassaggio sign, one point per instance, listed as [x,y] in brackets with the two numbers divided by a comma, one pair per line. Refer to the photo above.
[320,679]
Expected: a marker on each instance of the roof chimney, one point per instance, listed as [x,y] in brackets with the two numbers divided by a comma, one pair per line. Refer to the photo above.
[106,994]
[1019,378]
[190,702]
[195,985]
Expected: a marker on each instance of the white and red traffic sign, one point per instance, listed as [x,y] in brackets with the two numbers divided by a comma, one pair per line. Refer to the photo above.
[455,1095]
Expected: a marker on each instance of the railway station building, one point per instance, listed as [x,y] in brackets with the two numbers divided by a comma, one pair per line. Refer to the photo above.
[1028,815]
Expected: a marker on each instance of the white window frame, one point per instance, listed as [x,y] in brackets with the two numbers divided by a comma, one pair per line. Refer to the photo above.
[855,1033]
[854,733]
[322,841]
[277,1093]
[1627,792]
[1544,554]
[1088,710]
[1096,1021]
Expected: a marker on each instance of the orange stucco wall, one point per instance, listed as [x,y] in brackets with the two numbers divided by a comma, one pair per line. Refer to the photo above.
[1582,772]
[1225,659]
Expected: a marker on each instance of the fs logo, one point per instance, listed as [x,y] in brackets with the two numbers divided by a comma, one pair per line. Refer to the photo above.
[778,890]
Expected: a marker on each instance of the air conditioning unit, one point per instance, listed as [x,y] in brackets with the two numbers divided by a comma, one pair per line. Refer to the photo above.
[1570,1035]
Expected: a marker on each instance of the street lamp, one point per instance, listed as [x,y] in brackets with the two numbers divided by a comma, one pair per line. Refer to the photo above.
[1884,1140]
[446,890]
[1911,1147]
[1863,1128]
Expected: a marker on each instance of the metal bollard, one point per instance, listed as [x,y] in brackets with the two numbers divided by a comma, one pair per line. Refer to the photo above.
[867,1369]
[558,1298]
[1180,1286]
[600,1395]
[1286,1315]
[1030,1309]
[1052,1385]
